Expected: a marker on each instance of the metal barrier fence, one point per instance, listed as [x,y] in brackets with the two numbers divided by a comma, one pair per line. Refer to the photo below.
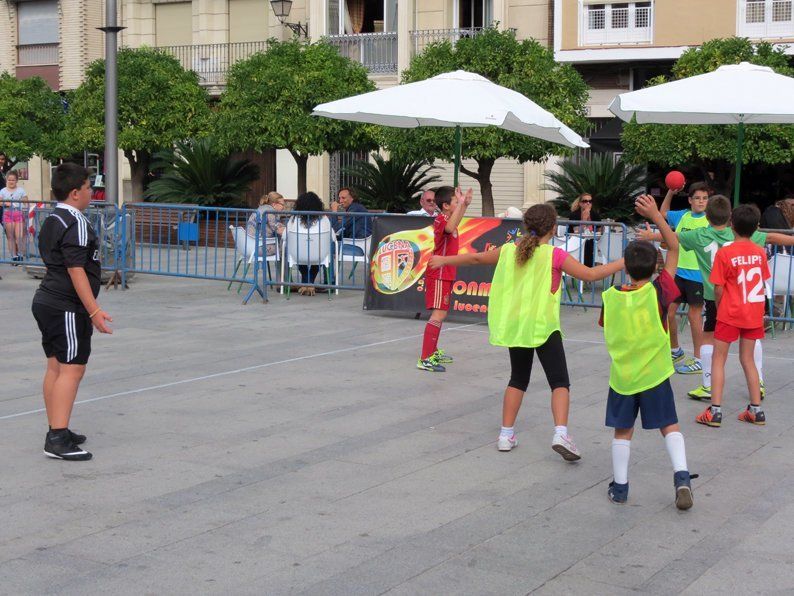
[324,250]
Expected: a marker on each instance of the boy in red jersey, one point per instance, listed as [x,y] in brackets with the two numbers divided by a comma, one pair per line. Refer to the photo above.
[452,205]
[739,275]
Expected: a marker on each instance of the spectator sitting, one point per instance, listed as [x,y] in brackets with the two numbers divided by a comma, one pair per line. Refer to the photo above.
[428,203]
[269,205]
[350,227]
[315,224]
[582,210]
[779,216]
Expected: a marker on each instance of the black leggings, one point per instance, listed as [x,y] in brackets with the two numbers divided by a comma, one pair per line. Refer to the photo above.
[552,358]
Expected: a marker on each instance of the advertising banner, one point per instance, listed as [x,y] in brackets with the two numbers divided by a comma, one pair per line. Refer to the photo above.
[401,249]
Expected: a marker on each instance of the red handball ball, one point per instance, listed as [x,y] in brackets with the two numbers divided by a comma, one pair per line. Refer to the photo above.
[674,180]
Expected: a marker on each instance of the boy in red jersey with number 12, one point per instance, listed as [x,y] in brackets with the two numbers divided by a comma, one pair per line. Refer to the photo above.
[739,275]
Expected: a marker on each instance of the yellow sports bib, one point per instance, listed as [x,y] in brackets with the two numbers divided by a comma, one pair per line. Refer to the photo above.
[636,340]
[687,258]
[522,311]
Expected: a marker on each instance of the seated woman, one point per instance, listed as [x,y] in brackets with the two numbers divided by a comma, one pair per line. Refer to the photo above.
[269,206]
[315,224]
[582,210]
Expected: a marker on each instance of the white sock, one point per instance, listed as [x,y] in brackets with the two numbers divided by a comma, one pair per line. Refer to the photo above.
[560,430]
[676,450]
[621,450]
[507,431]
[706,350]
[758,356]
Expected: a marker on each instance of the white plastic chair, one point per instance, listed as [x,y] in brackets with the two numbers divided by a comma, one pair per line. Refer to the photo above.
[361,245]
[308,246]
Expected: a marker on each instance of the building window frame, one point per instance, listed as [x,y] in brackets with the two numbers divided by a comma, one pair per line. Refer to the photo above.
[616,23]
[765,19]
[38,42]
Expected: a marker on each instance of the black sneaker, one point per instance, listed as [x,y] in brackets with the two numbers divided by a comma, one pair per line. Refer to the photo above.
[59,445]
[683,490]
[77,439]
[618,493]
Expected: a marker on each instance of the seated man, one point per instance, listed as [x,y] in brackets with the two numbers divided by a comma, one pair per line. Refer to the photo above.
[428,203]
[350,226]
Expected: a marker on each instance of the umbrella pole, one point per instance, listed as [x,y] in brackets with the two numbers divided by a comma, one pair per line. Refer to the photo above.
[458,143]
[737,179]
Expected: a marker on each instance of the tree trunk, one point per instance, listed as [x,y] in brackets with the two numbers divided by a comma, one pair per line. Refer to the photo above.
[139,169]
[301,161]
[483,176]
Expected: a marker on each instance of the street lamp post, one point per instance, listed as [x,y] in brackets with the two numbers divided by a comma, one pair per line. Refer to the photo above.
[111,30]
[282,8]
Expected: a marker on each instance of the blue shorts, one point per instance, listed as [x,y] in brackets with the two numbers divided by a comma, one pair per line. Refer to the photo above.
[657,406]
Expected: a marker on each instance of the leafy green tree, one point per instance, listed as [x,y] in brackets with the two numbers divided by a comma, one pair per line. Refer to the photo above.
[31,118]
[712,148]
[391,184]
[270,96]
[194,172]
[612,185]
[524,66]
[159,102]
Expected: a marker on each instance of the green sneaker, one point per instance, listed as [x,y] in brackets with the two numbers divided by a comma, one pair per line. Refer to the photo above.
[442,357]
[701,392]
[430,364]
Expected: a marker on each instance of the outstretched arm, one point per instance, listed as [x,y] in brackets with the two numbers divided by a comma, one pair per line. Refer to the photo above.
[580,271]
[463,202]
[489,257]
[646,206]
[668,200]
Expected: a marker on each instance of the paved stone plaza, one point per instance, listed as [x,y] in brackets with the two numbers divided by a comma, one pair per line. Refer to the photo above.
[293,448]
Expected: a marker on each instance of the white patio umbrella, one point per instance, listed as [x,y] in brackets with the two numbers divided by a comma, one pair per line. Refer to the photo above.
[454,99]
[733,94]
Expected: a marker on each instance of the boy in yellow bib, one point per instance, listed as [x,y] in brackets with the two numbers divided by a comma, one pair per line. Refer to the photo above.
[634,318]
[524,316]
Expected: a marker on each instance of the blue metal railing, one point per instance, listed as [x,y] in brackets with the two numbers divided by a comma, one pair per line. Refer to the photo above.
[285,250]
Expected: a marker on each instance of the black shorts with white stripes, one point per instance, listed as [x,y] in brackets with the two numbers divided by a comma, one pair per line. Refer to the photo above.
[66,335]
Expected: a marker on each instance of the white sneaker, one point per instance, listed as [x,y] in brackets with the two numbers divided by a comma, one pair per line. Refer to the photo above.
[564,445]
[506,443]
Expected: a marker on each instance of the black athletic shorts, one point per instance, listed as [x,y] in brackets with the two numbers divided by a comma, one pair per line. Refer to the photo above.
[691,291]
[65,335]
[710,322]
[552,358]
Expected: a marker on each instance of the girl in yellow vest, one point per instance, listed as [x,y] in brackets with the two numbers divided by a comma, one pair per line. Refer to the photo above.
[634,318]
[524,316]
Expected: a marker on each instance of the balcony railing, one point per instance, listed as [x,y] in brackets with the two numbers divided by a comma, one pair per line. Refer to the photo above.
[45,54]
[376,51]
[211,62]
[422,38]
[760,19]
[616,24]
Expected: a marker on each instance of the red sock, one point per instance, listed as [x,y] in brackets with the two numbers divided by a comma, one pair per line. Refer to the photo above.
[430,341]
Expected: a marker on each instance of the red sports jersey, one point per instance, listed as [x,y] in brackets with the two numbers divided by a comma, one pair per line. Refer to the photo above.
[445,245]
[741,269]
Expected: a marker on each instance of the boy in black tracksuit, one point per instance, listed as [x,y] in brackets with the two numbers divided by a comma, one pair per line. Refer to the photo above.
[65,305]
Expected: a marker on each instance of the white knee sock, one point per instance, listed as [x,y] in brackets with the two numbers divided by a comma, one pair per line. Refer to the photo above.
[676,450]
[758,357]
[621,450]
[706,350]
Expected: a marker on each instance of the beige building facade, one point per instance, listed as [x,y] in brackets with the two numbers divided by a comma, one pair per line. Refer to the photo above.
[57,39]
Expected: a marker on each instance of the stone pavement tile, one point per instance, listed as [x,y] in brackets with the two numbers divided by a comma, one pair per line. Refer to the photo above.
[567,584]
[745,573]
[459,579]
[43,571]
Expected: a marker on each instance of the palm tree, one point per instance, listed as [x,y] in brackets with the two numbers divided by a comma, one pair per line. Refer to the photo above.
[193,172]
[391,184]
[612,185]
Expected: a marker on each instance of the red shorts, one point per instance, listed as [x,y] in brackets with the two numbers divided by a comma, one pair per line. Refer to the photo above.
[728,333]
[437,293]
